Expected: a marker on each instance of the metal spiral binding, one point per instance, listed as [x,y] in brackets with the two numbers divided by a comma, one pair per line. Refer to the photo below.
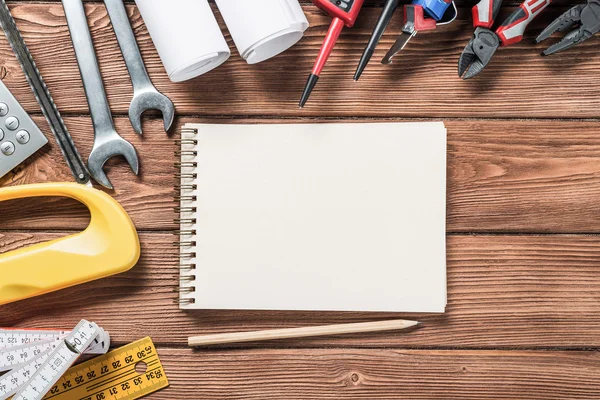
[183,208]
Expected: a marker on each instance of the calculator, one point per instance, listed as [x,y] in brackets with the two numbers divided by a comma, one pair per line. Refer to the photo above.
[20,137]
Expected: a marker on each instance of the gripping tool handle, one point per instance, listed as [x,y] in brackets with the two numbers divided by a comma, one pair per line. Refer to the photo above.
[109,245]
[485,13]
[512,29]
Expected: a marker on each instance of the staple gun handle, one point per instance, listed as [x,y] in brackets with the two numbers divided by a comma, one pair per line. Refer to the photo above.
[109,245]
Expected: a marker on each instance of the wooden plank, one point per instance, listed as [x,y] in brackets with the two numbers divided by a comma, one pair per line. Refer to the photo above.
[503,176]
[421,83]
[379,374]
[503,292]
[148,198]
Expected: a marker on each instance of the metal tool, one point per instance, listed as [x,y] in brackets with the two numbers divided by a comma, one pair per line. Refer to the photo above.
[344,13]
[107,142]
[108,246]
[585,18]
[482,47]
[421,15]
[43,97]
[145,95]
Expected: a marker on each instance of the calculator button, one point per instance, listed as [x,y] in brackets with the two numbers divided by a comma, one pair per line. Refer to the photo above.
[7,148]
[3,109]
[12,123]
[1,134]
[23,136]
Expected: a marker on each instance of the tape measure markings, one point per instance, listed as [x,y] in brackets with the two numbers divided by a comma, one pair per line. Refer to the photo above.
[10,338]
[58,361]
[100,384]
[23,354]
[113,376]
[12,381]
[108,376]
[39,366]
[116,385]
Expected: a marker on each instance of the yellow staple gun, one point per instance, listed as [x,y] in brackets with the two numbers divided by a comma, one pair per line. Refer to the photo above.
[108,246]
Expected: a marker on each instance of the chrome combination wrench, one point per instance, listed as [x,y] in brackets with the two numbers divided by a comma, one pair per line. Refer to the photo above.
[145,95]
[107,142]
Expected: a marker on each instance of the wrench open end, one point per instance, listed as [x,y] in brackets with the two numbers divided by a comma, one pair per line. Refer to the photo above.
[104,150]
[150,100]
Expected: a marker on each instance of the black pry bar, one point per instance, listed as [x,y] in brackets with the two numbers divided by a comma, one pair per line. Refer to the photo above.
[43,97]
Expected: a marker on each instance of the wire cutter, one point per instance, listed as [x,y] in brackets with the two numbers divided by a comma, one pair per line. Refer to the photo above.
[482,47]
[584,17]
[421,15]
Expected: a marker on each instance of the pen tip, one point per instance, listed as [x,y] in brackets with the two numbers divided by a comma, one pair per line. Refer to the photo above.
[362,64]
[310,84]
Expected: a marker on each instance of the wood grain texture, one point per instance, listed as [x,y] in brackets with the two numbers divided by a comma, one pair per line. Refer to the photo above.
[503,176]
[379,374]
[422,82]
[523,150]
[503,292]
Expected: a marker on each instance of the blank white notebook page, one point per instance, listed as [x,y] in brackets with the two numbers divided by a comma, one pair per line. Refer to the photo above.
[347,217]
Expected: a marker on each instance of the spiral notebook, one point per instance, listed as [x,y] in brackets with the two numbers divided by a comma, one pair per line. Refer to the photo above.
[340,217]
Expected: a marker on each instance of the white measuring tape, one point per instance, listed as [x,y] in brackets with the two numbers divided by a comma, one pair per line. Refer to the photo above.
[9,337]
[37,359]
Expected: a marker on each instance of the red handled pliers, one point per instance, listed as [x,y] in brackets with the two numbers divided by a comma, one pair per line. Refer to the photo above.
[482,47]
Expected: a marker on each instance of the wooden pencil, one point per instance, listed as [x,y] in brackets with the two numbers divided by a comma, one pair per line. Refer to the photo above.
[292,333]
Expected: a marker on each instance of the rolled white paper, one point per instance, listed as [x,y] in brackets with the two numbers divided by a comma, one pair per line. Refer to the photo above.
[262,29]
[186,35]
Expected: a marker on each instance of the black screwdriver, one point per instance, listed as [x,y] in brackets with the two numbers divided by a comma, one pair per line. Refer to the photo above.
[382,23]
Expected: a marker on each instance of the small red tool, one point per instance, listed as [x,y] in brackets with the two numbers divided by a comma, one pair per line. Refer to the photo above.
[344,13]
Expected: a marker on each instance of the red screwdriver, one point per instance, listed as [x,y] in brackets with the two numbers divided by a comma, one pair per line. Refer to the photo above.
[343,12]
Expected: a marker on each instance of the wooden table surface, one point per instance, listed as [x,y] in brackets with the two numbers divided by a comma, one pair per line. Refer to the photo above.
[523,215]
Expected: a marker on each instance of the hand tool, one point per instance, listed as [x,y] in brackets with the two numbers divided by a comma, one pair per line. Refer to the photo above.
[145,95]
[107,142]
[117,375]
[293,333]
[108,246]
[584,17]
[421,15]
[382,22]
[343,12]
[482,47]
[32,379]
[43,97]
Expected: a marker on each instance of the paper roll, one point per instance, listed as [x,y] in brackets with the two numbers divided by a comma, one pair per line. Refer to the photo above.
[262,29]
[186,35]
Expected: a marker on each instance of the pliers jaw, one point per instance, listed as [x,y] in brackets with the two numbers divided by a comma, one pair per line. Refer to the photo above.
[586,17]
[478,52]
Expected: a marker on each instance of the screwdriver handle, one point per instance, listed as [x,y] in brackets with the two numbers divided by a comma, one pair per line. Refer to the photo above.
[415,20]
[485,13]
[512,29]
[434,8]
[327,47]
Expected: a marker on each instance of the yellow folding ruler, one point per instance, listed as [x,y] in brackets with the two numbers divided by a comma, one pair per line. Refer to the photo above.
[126,373]
[38,365]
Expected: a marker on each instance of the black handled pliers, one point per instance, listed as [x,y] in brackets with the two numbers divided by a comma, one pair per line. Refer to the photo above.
[586,17]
